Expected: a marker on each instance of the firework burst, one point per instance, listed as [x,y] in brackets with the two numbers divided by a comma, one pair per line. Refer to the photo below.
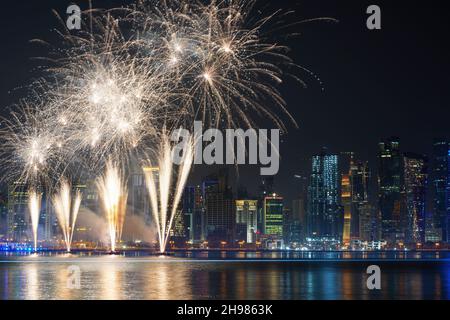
[111,89]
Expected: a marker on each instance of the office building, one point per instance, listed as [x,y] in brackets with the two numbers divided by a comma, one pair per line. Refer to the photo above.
[273,216]
[415,167]
[246,220]
[323,209]
[392,198]
[219,207]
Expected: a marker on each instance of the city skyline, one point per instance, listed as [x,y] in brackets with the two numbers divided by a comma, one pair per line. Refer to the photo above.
[335,202]
[327,118]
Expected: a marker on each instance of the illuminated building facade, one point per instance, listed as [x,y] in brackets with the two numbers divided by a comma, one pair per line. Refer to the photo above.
[137,195]
[219,206]
[246,220]
[415,186]
[391,191]
[193,209]
[439,179]
[17,216]
[346,202]
[359,180]
[445,224]
[323,209]
[178,234]
[297,224]
[367,223]
[273,216]
[188,204]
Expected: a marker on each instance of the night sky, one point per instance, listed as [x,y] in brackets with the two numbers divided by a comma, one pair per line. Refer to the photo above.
[389,82]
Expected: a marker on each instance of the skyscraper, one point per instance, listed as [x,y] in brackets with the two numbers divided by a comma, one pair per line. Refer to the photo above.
[219,207]
[439,180]
[324,215]
[445,224]
[415,166]
[188,204]
[246,220]
[359,179]
[273,216]
[367,228]
[391,191]
[298,221]
[17,217]
[194,213]
[346,202]
[137,195]
[178,234]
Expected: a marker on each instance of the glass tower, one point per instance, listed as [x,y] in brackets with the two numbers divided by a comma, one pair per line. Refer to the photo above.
[415,186]
[324,214]
[391,191]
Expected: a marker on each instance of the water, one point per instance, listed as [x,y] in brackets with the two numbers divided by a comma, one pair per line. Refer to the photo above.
[226,275]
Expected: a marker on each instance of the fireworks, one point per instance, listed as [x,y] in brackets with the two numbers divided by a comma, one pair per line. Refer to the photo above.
[111,88]
[66,209]
[218,59]
[160,184]
[113,194]
[34,206]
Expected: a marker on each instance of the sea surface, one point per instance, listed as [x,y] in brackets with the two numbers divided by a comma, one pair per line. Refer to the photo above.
[224,275]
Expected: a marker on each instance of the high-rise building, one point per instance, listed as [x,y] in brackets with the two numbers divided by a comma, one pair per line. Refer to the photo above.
[359,179]
[188,205]
[445,224]
[137,195]
[439,181]
[346,202]
[273,216]
[367,223]
[178,234]
[415,166]
[323,210]
[17,217]
[246,220]
[194,212]
[392,202]
[298,221]
[267,187]
[3,218]
[219,206]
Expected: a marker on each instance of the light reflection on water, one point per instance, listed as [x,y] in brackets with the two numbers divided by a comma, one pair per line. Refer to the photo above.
[185,277]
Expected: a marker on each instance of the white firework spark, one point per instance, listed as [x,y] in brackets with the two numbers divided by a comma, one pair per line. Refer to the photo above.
[66,208]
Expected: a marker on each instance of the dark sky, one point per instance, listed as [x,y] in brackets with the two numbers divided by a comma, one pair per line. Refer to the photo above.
[393,81]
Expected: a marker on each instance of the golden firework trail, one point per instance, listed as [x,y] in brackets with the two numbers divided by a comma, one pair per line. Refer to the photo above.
[113,193]
[164,191]
[66,208]
[34,206]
